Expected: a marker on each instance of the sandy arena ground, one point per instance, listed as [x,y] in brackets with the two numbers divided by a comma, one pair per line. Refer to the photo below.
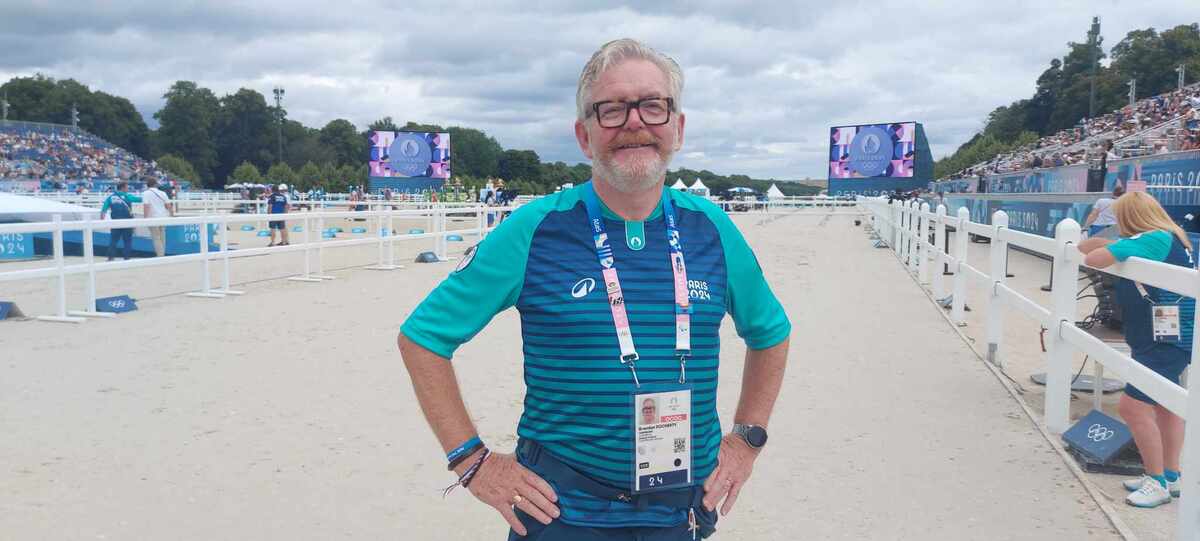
[287,413]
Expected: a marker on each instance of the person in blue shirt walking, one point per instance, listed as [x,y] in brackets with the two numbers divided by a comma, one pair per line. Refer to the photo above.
[119,206]
[621,285]
[277,203]
[1158,328]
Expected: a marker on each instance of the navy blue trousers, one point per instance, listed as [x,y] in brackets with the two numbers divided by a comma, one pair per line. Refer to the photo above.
[120,234]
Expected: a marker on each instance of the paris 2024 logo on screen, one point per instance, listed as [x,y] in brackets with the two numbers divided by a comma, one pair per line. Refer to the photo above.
[399,154]
[872,151]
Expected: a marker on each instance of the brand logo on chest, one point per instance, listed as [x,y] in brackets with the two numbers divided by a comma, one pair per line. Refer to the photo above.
[698,290]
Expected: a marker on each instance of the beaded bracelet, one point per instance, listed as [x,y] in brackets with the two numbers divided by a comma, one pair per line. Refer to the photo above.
[468,475]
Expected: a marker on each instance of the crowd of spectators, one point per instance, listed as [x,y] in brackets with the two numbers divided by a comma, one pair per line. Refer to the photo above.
[65,155]
[1165,123]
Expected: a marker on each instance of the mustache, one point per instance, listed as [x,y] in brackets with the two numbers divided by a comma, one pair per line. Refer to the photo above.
[637,139]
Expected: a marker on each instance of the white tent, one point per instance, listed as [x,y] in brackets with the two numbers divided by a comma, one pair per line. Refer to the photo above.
[679,185]
[20,208]
[774,193]
[699,188]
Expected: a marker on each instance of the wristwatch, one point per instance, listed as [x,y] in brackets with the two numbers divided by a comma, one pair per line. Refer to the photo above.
[754,435]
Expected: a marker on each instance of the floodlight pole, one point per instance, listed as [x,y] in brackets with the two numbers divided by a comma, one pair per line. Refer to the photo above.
[1093,37]
[4,106]
[1182,70]
[279,122]
[1132,92]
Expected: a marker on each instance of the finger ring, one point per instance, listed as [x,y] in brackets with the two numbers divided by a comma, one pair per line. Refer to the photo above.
[516,499]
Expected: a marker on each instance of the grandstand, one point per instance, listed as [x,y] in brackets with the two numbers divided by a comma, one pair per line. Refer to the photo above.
[1165,123]
[48,157]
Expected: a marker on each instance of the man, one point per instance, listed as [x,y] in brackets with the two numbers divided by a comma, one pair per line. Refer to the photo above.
[156,204]
[649,411]
[119,205]
[277,203]
[611,315]
[1102,216]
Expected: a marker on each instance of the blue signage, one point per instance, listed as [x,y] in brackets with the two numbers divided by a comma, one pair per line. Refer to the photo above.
[16,246]
[116,305]
[9,309]
[1098,436]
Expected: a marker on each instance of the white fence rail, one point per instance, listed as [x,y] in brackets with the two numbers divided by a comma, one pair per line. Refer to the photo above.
[905,227]
[382,235]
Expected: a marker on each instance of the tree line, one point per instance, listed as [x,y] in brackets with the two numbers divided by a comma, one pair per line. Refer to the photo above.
[218,140]
[1061,97]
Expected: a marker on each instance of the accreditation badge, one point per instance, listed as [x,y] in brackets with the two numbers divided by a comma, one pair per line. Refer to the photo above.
[662,439]
[1165,319]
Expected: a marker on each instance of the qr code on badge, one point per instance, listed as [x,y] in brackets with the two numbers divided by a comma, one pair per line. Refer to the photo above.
[680,445]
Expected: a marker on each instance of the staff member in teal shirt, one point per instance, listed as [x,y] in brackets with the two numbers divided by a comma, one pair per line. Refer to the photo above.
[119,205]
[1149,233]
[621,285]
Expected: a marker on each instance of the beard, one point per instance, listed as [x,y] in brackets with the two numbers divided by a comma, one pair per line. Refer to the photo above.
[635,173]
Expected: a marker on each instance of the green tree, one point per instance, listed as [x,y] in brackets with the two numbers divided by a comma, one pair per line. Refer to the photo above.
[343,141]
[308,177]
[473,153]
[186,128]
[179,167]
[244,131]
[246,173]
[281,173]
[519,165]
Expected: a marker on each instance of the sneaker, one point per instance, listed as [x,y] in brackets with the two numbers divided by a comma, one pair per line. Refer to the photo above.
[1151,494]
[1134,484]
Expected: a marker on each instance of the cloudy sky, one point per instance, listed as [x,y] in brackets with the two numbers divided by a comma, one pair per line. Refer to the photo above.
[764,80]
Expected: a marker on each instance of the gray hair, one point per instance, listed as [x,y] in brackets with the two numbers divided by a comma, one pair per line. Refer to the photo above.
[613,53]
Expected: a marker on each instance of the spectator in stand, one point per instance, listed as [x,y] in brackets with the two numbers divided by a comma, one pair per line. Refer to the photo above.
[1102,215]
[157,204]
[1037,161]
[119,205]
[277,203]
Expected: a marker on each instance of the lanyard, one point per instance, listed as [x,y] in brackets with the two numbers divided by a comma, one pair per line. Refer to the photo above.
[616,298]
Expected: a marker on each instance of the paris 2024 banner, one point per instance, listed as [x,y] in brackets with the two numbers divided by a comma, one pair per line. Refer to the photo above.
[873,159]
[409,161]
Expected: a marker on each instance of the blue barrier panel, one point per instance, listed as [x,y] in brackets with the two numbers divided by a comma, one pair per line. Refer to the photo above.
[9,309]
[454,238]
[359,230]
[297,229]
[328,235]
[247,227]
[339,230]
[415,231]
[16,246]
[264,233]
[116,305]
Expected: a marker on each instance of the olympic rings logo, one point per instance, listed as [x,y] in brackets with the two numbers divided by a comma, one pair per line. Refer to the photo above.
[1099,433]
[119,303]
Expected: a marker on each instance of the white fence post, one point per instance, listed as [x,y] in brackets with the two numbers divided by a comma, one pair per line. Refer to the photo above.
[307,276]
[995,315]
[223,225]
[1188,527]
[923,245]
[959,304]
[910,250]
[60,264]
[939,241]
[206,278]
[320,275]
[381,230]
[897,226]
[89,259]
[1063,312]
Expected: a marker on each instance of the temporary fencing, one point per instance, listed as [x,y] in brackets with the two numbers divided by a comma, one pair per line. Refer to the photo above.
[383,235]
[905,227]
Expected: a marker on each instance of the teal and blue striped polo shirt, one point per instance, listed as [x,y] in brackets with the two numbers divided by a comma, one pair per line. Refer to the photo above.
[542,260]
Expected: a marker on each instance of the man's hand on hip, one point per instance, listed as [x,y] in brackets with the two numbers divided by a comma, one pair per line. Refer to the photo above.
[503,483]
[734,464]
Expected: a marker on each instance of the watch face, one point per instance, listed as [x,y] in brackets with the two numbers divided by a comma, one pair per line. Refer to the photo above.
[756,436]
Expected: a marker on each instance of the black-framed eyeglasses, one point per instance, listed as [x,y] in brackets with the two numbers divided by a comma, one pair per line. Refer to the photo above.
[614,114]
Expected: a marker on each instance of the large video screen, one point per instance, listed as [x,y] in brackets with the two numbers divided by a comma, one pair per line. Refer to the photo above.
[402,154]
[872,151]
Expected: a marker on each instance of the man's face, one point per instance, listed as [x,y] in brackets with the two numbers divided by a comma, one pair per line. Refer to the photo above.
[633,157]
[649,412]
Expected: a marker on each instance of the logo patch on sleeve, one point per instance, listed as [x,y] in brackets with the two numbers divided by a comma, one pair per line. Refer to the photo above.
[467,258]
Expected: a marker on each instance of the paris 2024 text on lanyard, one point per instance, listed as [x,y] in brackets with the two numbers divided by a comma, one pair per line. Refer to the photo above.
[662,427]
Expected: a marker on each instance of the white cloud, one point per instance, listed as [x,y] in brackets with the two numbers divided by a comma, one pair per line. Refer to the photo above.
[764,81]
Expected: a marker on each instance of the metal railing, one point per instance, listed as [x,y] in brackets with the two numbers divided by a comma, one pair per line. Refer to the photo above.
[905,227]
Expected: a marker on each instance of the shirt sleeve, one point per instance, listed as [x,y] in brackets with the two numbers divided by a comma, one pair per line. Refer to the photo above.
[104,207]
[757,314]
[486,282]
[1153,245]
[131,199]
